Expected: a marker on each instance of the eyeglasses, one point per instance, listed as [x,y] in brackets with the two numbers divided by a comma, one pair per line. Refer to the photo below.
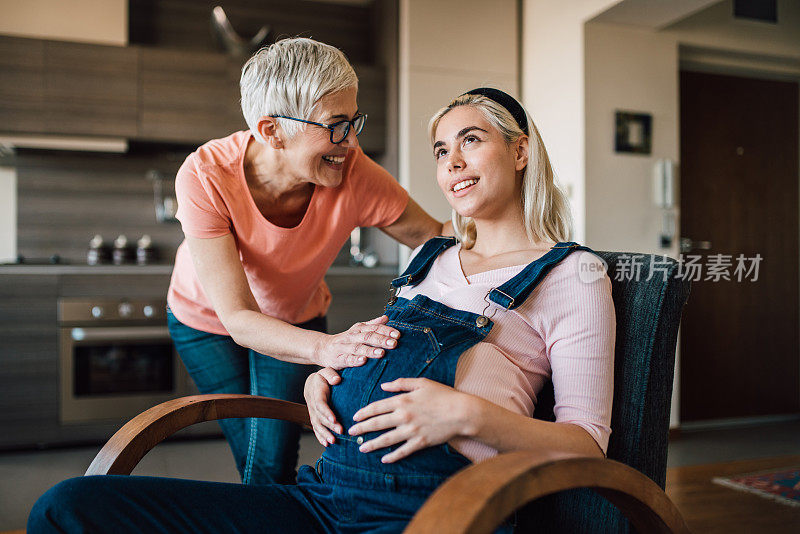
[339,130]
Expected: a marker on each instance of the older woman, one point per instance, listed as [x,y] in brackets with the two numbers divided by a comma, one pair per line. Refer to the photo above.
[485,322]
[264,213]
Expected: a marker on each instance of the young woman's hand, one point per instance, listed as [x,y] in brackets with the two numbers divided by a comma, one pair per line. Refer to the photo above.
[317,393]
[352,347]
[428,414]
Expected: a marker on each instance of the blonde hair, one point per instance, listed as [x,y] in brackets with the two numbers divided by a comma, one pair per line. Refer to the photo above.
[288,78]
[545,208]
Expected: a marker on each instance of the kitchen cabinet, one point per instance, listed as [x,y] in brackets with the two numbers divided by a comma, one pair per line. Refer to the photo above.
[188,96]
[148,94]
[54,87]
[21,85]
[29,352]
[28,356]
[90,89]
[29,329]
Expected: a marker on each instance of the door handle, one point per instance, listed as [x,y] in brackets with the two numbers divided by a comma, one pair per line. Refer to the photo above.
[687,245]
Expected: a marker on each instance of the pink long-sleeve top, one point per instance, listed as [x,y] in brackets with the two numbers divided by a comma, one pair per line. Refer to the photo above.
[564,331]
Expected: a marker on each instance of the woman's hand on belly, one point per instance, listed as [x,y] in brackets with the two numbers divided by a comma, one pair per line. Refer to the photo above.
[352,347]
[317,391]
[427,414]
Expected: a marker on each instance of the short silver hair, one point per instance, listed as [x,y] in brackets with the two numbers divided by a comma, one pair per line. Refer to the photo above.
[289,78]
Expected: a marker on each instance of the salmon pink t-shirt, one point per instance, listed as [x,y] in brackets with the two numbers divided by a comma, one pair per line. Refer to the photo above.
[285,267]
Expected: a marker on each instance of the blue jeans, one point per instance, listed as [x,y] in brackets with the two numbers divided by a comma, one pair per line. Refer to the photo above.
[265,450]
[325,500]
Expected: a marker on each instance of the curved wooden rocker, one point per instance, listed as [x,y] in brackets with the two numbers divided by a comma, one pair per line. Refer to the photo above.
[484,494]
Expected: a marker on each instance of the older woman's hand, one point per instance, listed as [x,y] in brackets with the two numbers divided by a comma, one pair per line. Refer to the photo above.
[317,392]
[429,414]
[352,347]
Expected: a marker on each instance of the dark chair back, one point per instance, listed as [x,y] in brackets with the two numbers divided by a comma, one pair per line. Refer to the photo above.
[648,299]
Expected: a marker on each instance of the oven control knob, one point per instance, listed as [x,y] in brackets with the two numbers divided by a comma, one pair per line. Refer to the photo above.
[148,311]
[125,309]
[97,312]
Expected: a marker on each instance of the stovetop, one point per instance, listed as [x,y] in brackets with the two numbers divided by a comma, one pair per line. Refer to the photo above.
[55,259]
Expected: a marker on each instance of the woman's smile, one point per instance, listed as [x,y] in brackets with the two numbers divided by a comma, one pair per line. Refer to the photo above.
[463,186]
[335,162]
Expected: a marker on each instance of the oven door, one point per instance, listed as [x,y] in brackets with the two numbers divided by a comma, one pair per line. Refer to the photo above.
[115,373]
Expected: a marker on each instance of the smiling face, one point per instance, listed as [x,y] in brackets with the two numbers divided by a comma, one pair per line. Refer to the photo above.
[310,156]
[477,170]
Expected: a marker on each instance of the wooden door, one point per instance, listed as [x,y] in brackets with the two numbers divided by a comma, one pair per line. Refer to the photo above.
[740,352]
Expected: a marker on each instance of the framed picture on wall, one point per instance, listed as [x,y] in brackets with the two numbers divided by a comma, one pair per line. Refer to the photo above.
[633,132]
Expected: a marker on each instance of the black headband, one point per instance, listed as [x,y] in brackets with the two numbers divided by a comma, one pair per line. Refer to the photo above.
[505,100]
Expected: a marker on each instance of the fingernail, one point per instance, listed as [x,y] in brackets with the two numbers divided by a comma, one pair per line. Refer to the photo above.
[391,342]
[330,418]
[395,334]
[361,359]
[362,448]
[377,352]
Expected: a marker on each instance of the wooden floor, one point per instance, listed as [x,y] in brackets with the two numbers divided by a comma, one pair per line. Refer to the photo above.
[710,508]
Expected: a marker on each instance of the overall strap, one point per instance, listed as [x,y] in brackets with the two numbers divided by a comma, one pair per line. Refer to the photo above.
[418,269]
[514,292]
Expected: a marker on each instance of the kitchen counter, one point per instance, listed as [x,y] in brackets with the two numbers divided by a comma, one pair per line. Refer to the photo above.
[85,269]
[162,269]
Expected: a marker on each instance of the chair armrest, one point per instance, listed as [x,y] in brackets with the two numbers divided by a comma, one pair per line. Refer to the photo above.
[131,442]
[487,492]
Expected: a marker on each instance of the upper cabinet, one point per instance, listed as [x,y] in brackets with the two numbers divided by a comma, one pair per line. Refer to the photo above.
[90,89]
[187,96]
[21,85]
[142,93]
[55,87]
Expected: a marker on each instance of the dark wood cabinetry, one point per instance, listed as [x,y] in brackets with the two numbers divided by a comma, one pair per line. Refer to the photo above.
[21,85]
[90,89]
[187,96]
[148,94]
[28,356]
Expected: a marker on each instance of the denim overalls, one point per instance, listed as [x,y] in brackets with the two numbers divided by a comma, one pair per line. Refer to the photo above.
[433,336]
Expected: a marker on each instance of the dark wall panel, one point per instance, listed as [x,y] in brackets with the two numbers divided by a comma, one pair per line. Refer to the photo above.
[64,198]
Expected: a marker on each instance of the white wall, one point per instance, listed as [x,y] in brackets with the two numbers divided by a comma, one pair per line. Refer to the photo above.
[634,70]
[553,88]
[8,214]
[89,21]
[715,28]
[447,47]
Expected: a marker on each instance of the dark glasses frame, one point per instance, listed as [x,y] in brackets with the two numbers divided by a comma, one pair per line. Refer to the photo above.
[332,127]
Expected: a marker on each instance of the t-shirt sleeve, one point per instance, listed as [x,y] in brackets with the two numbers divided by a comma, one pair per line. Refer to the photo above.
[197,212]
[378,199]
[579,327]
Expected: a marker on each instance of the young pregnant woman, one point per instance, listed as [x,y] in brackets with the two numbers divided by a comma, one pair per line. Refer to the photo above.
[484,322]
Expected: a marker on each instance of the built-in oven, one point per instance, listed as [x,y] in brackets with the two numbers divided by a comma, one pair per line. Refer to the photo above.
[116,359]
